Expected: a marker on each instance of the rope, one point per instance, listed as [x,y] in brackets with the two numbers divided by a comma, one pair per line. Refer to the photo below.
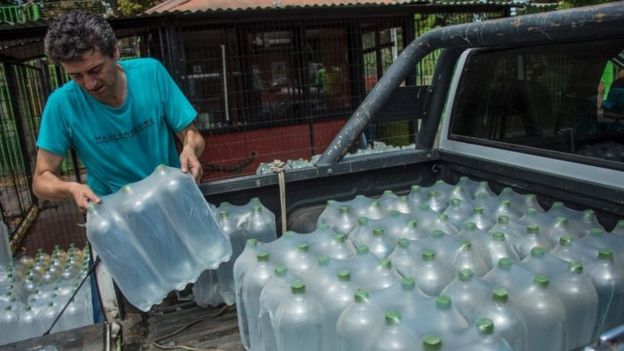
[277,166]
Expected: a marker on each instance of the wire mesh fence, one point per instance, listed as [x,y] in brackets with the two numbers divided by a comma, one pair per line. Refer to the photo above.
[263,90]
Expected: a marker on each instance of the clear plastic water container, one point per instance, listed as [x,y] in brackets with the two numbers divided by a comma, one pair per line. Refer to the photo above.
[144,234]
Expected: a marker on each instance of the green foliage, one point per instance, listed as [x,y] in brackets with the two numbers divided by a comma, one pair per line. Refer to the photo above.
[133,7]
[567,4]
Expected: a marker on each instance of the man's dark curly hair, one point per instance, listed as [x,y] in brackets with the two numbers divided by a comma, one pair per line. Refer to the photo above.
[76,32]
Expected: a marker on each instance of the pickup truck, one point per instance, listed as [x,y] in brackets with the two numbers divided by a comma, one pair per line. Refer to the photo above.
[519,102]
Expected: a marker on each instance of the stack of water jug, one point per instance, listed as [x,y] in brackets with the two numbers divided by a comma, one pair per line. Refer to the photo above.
[156,235]
[446,267]
[239,223]
[34,290]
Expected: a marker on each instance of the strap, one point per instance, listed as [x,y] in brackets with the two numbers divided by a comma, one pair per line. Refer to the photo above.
[277,166]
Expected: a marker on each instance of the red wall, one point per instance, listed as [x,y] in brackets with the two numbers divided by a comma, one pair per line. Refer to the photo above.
[283,143]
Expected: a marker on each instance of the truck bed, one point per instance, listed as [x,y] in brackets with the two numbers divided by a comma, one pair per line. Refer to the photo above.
[174,323]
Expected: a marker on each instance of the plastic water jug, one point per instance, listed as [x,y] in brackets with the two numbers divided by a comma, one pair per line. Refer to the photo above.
[608,279]
[532,238]
[391,202]
[509,322]
[299,322]
[6,257]
[359,324]
[338,217]
[480,219]
[275,291]
[404,296]
[335,299]
[467,292]
[458,211]
[544,314]
[619,228]
[469,258]
[394,336]
[481,337]
[432,275]
[510,275]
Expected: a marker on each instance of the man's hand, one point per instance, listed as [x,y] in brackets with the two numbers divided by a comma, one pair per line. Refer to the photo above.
[189,163]
[83,195]
[192,147]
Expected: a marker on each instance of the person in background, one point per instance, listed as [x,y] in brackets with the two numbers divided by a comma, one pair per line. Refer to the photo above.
[121,117]
[610,111]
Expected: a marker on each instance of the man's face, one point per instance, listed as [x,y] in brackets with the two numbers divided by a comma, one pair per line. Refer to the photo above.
[96,73]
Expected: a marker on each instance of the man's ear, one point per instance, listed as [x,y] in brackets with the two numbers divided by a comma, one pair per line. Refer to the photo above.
[117,54]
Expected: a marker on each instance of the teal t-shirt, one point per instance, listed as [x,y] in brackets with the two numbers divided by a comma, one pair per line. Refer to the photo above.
[124,144]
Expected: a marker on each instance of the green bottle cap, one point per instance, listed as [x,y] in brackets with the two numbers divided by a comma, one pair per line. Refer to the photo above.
[470,226]
[431,342]
[377,232]
[575,267]
[387,193]
[412,224]
[345,210]
[465,274]
[415,188]
[440,182]
[557,204]
[532,229]
[360,296]
[344,275]
[403,243]
[465,245]
[251,243]
[506,204]
[485,325]
[500,295]
[506,190]
[537,251]
[362,221]
[443,217]
[341,238]
[428,255]
[303,247]
[443,302]
[322,260]
[455,202]
[393,317]
[395,214]
[262,257]
[620,224]
[531,211]
[298,287]
[408,283]
[437,233]
[280,270]
[255,200]
[256,209]
[562,221]
[331,202]
[478,210]
[503,219]
[596,232]
[498,236]
[565,240]
[385,263]
[434,194]
[541,281]
[605,254]
[505,263]
[361,249]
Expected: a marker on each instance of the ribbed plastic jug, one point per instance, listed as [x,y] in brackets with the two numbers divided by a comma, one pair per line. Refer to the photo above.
[389,202]
[458,211]
[481,219]
[509,275]
[337,295]
[533,237]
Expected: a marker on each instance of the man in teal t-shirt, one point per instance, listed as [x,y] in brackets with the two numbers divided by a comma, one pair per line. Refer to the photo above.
[119,117]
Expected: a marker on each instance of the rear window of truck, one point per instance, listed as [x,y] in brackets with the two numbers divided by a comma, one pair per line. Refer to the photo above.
[565,100]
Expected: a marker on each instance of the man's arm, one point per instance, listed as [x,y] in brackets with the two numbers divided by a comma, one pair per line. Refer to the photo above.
[192,147]
[48,186]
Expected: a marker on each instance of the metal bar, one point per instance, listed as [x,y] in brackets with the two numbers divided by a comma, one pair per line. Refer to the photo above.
[436,97]
[586,23]
[226,101]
